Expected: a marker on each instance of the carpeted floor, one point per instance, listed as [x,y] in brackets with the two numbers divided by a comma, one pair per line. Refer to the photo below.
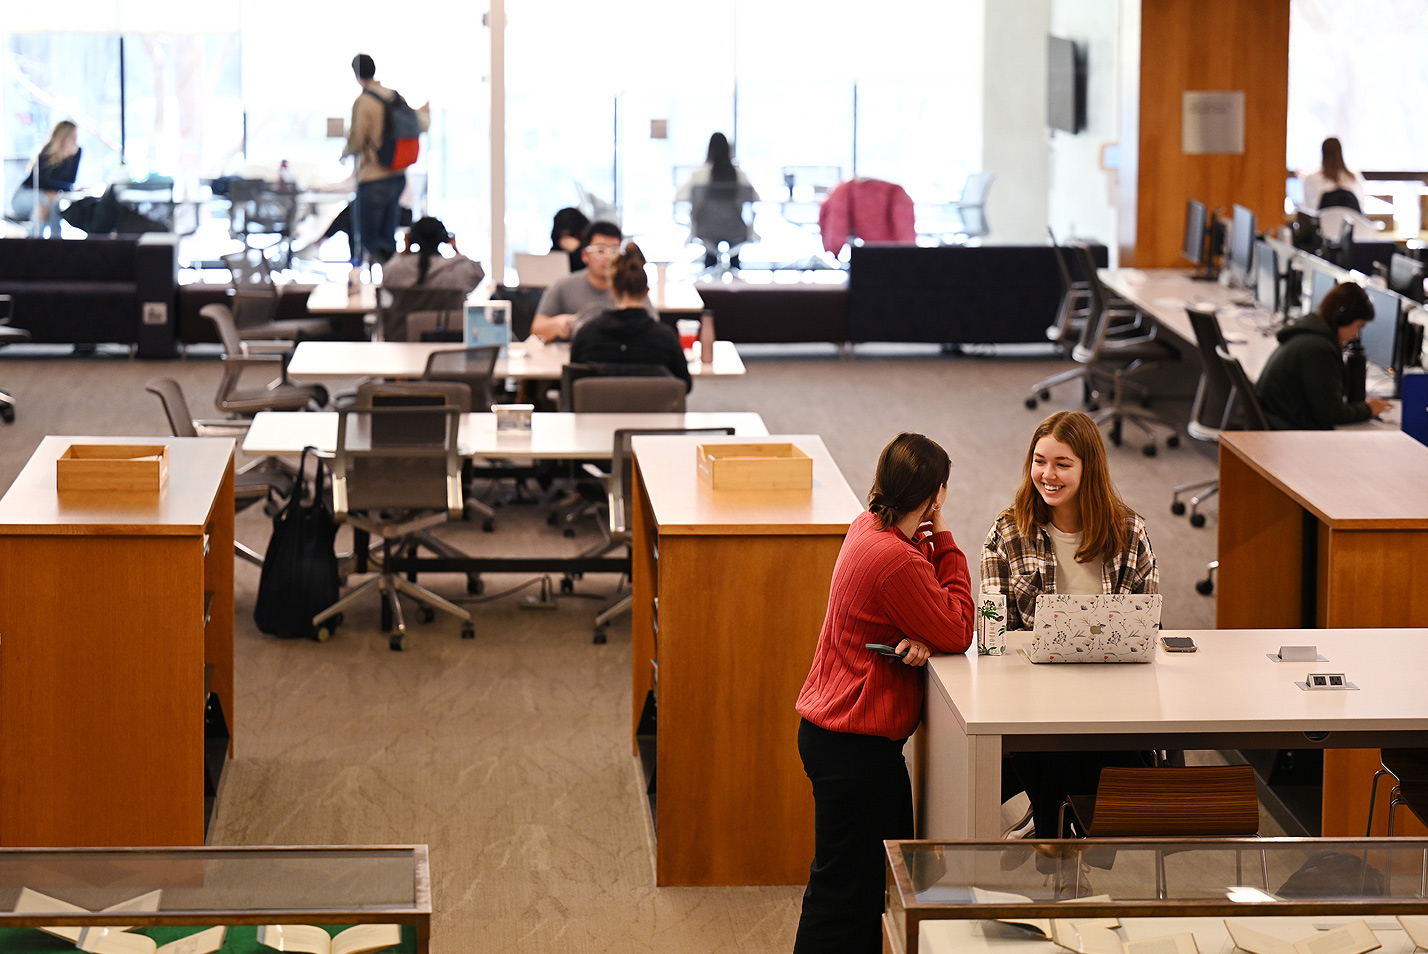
[509,755]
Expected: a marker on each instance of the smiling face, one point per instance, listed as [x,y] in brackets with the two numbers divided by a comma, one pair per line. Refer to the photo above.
[1055,472]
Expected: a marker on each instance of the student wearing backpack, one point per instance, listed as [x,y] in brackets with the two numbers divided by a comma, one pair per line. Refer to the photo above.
[1334,184]
[383,136]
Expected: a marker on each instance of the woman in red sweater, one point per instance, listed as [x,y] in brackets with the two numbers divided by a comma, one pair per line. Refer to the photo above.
[901,581]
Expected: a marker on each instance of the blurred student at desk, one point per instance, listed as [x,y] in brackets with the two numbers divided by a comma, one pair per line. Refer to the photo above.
[1302,385]
[718,167]
[1334,185]
[573,300]
[626,334]
[51,172]
[567,232]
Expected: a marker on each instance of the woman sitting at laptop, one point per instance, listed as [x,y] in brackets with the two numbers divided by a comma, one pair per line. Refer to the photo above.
[900,582]
[1067,531]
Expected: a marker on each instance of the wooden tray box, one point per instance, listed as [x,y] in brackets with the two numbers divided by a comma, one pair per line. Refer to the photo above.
[142,468]
[764,466]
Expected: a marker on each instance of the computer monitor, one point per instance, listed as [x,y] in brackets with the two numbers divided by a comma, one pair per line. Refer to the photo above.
[1380,337]
[1266,277]
[1242,235]
[1405,276]
[1195,232]
[1319,284]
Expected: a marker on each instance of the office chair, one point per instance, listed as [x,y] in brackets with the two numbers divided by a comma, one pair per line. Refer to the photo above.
[473,367]
[269,479]
[420,314]
[9,335]
[1118,359]
[397,473]
[970,208]
[1209,411]
[279,394]
[262,208]
[717,221]
[1333,219]
[618,492]
[1409,770]
[576,371]
[1065,331]
[255,302]
[1201,802]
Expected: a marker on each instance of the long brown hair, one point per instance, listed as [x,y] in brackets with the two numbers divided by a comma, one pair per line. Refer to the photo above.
[1331,162]
[627,275]
[51,152]
[1103,513]
[911,469]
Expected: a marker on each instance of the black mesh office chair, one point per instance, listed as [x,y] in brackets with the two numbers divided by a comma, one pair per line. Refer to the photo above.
[473,367]
[1210,410]
[262,208]
[9,335]
[717,220]
[420,314]
[278,394]
[971,207]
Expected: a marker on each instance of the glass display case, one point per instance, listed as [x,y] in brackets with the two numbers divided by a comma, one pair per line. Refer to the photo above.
[166,894]
[1006,896]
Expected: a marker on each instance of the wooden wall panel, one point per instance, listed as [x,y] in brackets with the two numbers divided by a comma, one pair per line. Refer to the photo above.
[1189,45]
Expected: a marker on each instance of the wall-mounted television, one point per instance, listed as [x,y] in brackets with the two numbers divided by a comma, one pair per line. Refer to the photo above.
[1065,85]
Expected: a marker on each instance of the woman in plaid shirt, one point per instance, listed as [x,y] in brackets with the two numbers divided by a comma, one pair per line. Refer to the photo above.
[1067,531]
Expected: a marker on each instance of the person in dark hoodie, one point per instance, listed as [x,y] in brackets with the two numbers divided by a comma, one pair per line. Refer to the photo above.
[627,334]
[1302,385]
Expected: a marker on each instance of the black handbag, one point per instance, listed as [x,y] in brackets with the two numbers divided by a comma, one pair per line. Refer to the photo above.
[299,577]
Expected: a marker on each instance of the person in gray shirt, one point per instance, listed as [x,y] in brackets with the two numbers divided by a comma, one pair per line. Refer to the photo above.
[573,300]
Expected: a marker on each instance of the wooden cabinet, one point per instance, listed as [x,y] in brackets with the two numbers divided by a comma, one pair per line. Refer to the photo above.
[730,590]
[1325,529]
[115,610]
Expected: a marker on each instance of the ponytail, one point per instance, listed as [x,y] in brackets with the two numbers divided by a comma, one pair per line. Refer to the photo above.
[627,275]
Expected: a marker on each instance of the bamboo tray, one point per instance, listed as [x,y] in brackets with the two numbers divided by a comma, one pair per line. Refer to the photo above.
[764,466]
[127,468]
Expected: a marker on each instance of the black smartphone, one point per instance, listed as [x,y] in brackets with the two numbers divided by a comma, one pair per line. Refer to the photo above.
[885,650]
[1178,644]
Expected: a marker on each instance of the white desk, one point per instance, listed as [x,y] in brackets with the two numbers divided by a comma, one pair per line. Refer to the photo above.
[317,361]
[553,436]
[1227,695]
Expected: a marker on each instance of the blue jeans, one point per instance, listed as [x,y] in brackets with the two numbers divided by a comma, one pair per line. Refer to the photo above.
[377,217]
[48,210]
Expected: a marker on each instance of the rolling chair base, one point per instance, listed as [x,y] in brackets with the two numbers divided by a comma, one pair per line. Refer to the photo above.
[389,585]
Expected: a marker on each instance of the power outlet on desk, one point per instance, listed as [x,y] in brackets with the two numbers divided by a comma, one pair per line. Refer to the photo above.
[1327,681]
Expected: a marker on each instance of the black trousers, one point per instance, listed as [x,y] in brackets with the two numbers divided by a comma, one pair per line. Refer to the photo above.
[861,796]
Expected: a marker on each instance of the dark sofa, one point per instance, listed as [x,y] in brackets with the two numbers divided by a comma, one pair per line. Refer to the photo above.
[95,290]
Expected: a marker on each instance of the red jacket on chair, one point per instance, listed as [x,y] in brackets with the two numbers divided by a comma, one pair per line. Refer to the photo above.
[868,209]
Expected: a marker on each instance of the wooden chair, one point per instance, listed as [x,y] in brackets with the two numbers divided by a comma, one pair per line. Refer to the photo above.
[1409,771]
[1208,801]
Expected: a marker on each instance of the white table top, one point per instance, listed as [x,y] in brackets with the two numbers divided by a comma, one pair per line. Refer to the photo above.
[527,360]
[552,436]
[1228,686]
[337,297]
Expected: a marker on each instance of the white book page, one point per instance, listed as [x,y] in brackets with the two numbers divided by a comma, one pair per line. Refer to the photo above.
[1352,938]
[107,940]
[1416,928]
[304,938]
[366,937]
[1256,942]
[33,902]
[1168,944]
[1084,939]
[200,942]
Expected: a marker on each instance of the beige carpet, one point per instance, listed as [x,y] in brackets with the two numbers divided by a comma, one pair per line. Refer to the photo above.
[509,755]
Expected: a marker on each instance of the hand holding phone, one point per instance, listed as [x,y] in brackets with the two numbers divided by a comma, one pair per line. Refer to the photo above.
[884,650]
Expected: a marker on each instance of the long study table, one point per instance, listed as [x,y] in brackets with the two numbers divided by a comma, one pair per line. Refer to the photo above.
[1228,695]
[553,436]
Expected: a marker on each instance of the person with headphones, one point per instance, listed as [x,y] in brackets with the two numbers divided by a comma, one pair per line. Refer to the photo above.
[1302,385]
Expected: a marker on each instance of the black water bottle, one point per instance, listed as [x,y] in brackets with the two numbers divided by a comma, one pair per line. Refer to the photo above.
[1355,368]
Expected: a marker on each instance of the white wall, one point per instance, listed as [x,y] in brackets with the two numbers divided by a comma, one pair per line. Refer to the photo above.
[1014,130]
[1082,200]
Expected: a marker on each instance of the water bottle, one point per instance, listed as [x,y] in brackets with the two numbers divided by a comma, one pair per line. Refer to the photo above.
[706,336]
[1355,369]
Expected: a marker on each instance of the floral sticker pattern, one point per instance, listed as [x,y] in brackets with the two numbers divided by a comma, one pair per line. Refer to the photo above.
[1100,628]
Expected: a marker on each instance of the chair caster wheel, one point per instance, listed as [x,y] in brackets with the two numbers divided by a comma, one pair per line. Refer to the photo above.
[1149,450]
[1204,587]
[1046,395]
[1173,440]
[1116,435]
[324,633]
[8,413]
[599,638]
[468,631]
[488,525]
[426,614]
[1197,520]
[397,642]
[1031,403]
[1178,508]
[567,585]
[568,532]
[1093,406]
[552,519]
[474,585]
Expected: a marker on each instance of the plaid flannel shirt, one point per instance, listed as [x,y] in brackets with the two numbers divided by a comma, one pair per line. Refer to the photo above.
[1024,568]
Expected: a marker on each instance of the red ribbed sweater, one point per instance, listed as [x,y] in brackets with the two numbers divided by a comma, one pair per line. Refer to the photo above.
[885,588]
